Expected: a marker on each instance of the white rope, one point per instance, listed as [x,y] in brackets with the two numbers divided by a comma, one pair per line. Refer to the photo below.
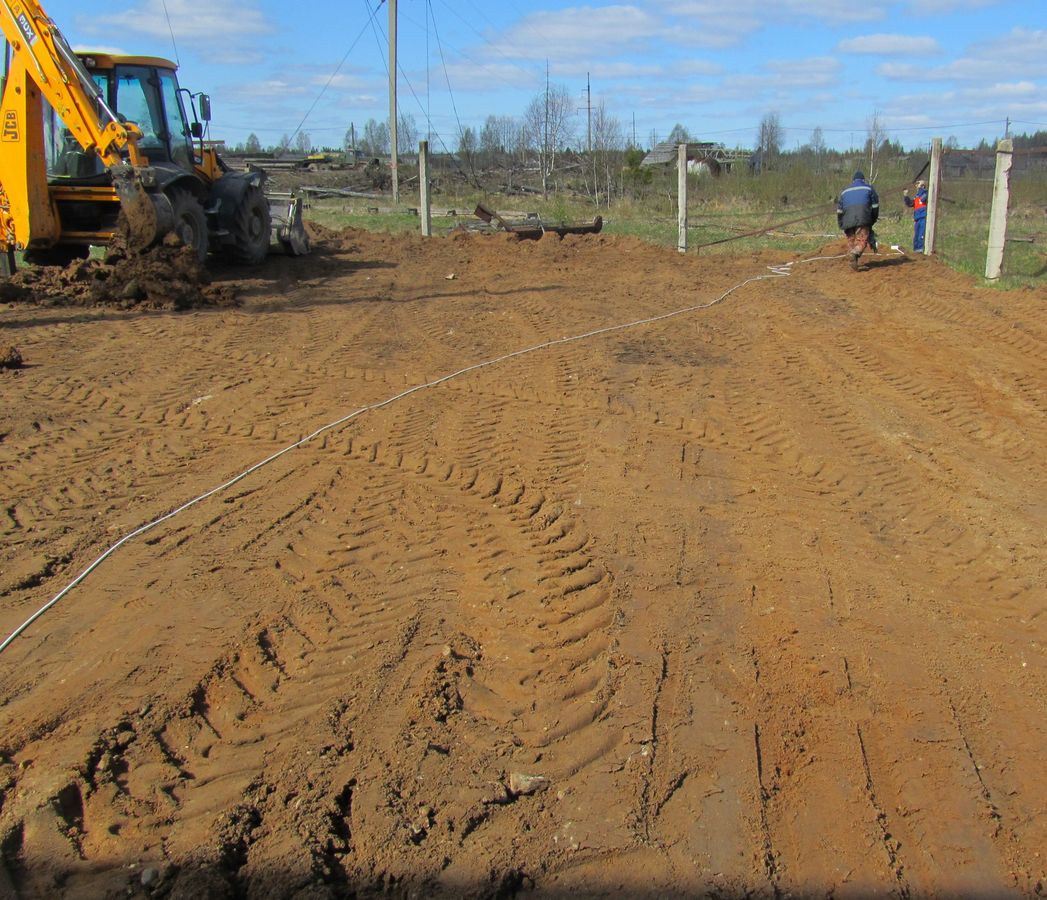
[779,271]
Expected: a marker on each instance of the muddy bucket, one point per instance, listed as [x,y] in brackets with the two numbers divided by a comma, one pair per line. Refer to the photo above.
[288,235]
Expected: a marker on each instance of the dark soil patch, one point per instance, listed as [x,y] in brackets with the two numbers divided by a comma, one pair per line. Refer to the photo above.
[10,358]
[164,277]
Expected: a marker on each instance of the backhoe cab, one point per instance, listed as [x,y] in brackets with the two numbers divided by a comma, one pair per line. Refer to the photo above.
[211,208]
[86,137]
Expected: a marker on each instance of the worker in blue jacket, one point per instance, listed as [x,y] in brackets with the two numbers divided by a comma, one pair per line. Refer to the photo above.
[857,209]
[918,205]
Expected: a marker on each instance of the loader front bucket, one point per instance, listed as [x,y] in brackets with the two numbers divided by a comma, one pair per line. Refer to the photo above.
[288,234]
[149,215]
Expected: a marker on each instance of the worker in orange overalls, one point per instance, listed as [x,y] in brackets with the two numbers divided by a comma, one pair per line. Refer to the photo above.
[918,205]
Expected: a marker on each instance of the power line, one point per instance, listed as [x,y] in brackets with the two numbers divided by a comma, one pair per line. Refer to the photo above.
[167,16]
[337,69]
[443,62]
[529,72]
[421,108]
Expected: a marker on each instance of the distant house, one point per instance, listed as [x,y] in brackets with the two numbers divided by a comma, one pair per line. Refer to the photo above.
[961,163]
[706,157]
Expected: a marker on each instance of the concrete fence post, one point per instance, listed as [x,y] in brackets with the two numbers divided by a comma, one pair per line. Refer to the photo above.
[934,186]
[1001,194]
[423,189]
[681,195]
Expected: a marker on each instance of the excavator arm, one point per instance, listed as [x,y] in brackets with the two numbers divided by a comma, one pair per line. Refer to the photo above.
[41,65]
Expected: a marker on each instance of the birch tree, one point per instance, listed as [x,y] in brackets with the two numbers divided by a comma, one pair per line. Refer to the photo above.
[549,125]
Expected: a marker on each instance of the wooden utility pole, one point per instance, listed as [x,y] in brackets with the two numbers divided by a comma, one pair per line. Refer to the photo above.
[423,189]
[934,179]
[1001,192]
[392,101]
[681,195]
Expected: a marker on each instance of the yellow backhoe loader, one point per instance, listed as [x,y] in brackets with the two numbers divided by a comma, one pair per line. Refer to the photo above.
[93,143]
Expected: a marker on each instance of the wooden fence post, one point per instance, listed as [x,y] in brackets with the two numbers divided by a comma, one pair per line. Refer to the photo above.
[1001,193]
[681,195]
[934,179]
[423,189]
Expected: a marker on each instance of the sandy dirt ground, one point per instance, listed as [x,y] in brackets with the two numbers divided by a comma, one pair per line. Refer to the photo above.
[745,601]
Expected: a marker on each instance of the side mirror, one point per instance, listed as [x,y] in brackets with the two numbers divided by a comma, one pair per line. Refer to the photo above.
[205,107]
[197,130]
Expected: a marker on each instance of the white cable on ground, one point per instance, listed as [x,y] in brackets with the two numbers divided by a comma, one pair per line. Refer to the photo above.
[779,271]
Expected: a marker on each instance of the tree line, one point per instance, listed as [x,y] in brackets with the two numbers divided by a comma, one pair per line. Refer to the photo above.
[550,144]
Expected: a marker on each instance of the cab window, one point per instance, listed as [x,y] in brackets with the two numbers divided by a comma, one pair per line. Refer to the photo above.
[177,127]
[138,101]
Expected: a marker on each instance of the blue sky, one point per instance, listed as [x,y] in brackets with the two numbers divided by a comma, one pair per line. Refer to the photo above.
[924,68]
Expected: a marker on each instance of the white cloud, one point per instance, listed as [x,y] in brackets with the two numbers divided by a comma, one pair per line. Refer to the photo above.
[579,30]
[818,71]
[829,11]
[890,45]
[1020,46]
[620,71]
[218,21]
[604,31]
[489,76]
[271,89]
[709,13]
[344,82]
[1021,50]
[101,48]
[983,102]
[707,23]
[927,7]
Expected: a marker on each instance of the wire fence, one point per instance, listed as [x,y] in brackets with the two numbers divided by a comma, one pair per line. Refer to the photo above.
[967,178]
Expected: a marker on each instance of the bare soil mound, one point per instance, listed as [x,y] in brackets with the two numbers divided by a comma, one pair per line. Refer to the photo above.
[163,277]
[684,576]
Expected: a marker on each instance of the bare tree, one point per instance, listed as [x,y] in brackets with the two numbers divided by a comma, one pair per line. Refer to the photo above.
[468,144]
[875,138]
[252,145]
[679,135]
[302,142]
[376,138]
[816,148]
[608,141]
[496,137]
[818,141]
[769,140]
[406,135]
[549,127]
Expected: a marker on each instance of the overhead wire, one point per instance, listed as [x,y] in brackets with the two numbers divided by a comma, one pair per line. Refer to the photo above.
[531,74]
[421,108]
[331,78]
[447,77]
[170,29]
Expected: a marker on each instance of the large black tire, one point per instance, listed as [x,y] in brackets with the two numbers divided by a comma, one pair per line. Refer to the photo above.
[190,222]
[249,230]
